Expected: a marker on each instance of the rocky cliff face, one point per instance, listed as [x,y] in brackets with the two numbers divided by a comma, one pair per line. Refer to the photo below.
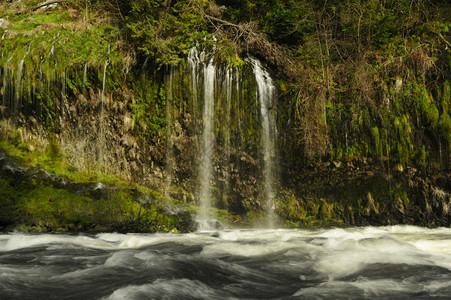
[383,159]
[99,130]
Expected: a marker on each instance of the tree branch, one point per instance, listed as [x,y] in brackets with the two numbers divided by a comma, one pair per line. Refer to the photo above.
[260,42]
[444,40]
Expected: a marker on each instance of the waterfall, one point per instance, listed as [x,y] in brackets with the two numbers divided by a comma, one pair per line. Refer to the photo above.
[193,65]
[266,93]
[208,143]
[198,64]
[169,168]
[85,74]
[6,86]
[219,97]
[17,96]
[19,83]
[228,86]
[52,50]
[101,145]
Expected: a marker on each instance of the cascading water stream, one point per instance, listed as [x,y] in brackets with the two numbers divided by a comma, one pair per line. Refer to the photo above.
[199,64]
[228,86]
[17,95]
[18,85]
[193,64]
[101,145]
[85,74]
[204,75]
[6,80]
[266,93]
[208,143]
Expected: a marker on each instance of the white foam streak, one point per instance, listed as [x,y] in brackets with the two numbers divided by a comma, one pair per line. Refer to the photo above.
[334,253]
[364,287]
[245,250]
[20,241]
[166,289]
[352,263]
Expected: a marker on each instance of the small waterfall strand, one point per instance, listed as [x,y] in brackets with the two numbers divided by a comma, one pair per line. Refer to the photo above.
[266,93]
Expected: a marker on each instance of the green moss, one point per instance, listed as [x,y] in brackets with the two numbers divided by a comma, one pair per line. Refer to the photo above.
[254,217]
[56,208]
[52,160]
[423,156]
[377,142]
[37,207]
[40,207]
[291,209]
[432,115]
[223,216]
[9,201]
[446,92]
[445,125]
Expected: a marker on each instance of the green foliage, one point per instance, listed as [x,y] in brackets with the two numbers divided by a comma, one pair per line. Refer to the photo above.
[40,33]
[287,22]
[228,55]
[56,50]
[165,32]
[237,10]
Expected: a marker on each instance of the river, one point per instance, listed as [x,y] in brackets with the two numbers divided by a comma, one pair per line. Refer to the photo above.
[395,262]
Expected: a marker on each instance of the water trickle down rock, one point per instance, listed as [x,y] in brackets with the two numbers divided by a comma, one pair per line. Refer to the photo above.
[102,140]
[17,98]
[266,94]
[194,65]
[7,88]
[228,87]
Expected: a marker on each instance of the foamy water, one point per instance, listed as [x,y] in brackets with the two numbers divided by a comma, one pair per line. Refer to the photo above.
[398,262]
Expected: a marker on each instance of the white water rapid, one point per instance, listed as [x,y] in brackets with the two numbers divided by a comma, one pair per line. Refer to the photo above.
[395,262]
